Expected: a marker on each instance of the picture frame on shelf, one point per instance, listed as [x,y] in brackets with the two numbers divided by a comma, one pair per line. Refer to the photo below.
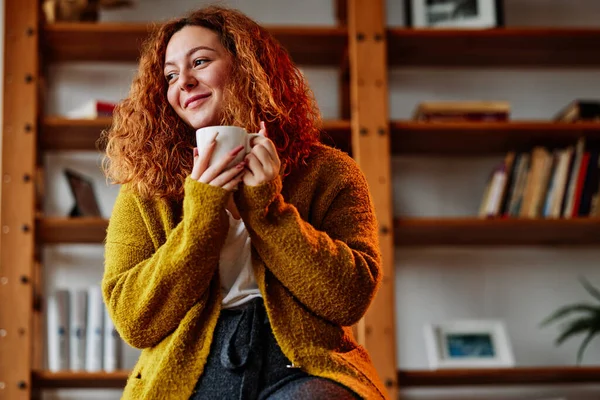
[468,344]
[82,189]
[475,14]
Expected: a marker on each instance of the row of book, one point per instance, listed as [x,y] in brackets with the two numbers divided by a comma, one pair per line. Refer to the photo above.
[81,335]
[543,183]
[497,111]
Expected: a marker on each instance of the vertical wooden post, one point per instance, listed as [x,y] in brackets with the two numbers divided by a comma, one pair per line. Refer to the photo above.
[17,209]
[371,149]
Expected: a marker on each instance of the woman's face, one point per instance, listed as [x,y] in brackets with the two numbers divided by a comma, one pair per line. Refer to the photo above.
[197,68]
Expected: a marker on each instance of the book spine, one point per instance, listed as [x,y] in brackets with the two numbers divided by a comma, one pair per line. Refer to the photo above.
[78,329]
[93,360]
[112,345]
[58,325]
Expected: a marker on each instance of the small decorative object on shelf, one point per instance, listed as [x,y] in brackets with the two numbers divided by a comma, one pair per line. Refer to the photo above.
[468,344]
[82,189]
[454,13]
[579,111]
[586,322]
[79,10]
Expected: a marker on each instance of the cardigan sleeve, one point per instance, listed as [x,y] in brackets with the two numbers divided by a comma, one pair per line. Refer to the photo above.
[335,271]
[149,290]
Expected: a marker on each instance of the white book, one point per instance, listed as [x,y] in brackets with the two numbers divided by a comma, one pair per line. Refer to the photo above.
[112,345]
[58,328]
[93,354]
[77,335]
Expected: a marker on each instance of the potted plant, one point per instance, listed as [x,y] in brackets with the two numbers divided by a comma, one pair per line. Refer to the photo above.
[586,319]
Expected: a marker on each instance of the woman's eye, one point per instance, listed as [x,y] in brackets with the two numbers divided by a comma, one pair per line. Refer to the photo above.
[170,77]
[199,61]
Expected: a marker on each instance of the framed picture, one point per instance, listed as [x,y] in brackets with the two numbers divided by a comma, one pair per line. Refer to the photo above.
[86,204]
[468,344]
[454,13]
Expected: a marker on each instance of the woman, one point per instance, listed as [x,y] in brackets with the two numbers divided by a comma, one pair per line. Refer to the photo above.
[238,282]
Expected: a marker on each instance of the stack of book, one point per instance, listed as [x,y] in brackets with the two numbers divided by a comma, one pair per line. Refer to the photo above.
[462,111]
[81,335]
[559,183]
[91,110]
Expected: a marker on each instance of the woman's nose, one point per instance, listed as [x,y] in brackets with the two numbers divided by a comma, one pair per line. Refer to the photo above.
[188,82]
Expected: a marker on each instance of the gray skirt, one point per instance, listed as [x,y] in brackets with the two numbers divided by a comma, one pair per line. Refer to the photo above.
[246,363]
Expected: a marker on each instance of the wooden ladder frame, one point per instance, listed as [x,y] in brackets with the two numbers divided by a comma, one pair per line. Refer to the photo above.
[371,150]
[17,211]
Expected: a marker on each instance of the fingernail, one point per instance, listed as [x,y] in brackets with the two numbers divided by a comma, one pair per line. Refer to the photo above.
[195,152]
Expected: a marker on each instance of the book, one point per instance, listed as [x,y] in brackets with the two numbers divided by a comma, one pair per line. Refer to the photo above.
[520,180]
[58,328]
[462,111]
[579,110]
[112,345]
[95,320]
[571,191]
[91,110]
[77,329]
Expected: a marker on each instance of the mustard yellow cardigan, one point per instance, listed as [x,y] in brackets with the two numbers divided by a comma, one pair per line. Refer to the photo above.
[315,256]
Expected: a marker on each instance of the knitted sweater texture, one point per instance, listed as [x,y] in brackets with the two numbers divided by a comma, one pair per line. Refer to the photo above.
[315,256]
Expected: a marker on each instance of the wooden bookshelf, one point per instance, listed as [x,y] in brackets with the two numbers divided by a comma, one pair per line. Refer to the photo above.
[79,380]
[59,134]
[484,138]
[54,230]
[500,376]
[497,48]
[496,232]
[121,42]
[62,134]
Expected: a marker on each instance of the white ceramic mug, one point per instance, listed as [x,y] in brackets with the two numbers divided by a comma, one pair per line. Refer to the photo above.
[227,138]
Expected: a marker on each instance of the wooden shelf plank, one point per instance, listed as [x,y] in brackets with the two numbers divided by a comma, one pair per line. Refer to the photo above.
[72,134]
[56,230]
[121,42]
[61,134]
[79,380]
[479,138]
[500,47]
[500,376]
[456,139]
[496,232]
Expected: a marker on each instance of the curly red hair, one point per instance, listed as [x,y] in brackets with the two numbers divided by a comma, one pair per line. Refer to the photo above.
[149,146]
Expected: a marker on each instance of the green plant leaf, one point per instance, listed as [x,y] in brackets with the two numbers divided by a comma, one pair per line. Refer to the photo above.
[589,288]
[565,310]
[585,343]
[576,327]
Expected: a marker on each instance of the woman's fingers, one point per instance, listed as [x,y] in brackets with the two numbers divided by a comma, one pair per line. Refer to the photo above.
[217,168]
[232,185]
[201,160]
[228,175]
[254,165]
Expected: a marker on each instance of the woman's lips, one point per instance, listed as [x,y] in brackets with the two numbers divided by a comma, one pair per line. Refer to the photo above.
[195,100]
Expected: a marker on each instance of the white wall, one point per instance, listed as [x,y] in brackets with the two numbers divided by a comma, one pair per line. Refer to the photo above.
[520,286]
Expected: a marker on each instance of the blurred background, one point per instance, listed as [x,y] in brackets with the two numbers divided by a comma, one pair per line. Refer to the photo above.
[519,285]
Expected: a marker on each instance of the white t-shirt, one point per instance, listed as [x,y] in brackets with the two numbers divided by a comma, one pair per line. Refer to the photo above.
[238,284]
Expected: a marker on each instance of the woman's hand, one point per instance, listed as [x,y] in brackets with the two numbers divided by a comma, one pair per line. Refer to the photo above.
[262,163]
[217,174]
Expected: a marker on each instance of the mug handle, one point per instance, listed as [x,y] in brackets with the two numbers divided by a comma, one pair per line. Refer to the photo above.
[249,137]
